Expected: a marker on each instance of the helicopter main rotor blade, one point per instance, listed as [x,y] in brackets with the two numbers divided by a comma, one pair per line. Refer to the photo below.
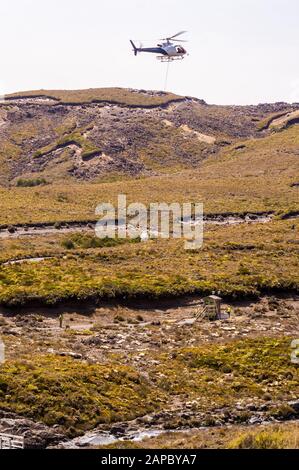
[178,34]
[174,36]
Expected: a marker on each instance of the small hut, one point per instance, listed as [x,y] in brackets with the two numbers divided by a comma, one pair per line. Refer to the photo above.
[211,308]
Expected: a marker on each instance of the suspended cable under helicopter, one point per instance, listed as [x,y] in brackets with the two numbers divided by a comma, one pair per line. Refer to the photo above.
[167,51]
[166,78]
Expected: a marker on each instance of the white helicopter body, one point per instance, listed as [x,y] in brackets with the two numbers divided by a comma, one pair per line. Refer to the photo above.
[167,51]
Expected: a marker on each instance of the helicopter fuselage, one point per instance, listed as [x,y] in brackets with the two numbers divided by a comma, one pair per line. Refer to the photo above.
[173,50]
[166,49]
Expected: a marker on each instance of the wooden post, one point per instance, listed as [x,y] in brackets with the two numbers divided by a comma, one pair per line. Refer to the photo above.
[2,352]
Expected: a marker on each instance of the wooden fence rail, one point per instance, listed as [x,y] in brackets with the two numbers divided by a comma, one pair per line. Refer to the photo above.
[8,441]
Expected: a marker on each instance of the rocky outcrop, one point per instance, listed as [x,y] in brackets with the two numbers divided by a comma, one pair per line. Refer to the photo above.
[36,435]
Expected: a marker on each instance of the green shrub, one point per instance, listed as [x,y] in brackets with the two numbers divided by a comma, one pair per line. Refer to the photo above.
[73,394]
[260,440]
[30,183]
[68,244]
[86,241]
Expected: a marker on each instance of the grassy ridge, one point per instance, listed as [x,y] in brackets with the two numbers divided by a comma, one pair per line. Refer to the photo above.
[116,95]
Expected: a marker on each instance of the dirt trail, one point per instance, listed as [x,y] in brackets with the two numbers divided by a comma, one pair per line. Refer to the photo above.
[207,139]
[287,119]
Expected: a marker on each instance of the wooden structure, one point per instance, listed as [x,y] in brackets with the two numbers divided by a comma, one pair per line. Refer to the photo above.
[211,308]
[2,352]
[8,441]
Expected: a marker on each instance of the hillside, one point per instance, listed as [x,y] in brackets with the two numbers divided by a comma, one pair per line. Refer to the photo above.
[96,135]
[62,160]
[105,339]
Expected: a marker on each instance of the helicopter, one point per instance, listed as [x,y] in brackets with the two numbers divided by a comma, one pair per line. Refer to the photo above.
[168,50]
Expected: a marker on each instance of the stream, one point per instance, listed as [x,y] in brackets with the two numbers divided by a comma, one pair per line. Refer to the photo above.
[101,438]
[104,438]
[89,227]
[18,231]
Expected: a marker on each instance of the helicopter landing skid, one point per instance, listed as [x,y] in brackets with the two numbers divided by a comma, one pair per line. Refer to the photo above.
[162,58]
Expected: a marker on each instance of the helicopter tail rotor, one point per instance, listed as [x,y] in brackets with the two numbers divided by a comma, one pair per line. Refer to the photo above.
[134,48]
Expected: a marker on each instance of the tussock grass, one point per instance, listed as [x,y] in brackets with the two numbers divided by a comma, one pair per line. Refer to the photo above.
[30,183]
[252,365]
[274,436]
[73,394]
[239,261]
[264,440]
[78,396]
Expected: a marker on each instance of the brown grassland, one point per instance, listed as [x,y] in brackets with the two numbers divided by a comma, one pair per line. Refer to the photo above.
[254,179]
[239,261]
[78,395]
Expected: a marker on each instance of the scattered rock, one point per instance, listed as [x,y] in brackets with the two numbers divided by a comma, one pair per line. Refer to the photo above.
[68,354]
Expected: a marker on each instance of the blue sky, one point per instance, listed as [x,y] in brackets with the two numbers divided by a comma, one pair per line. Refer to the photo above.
[241,51]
